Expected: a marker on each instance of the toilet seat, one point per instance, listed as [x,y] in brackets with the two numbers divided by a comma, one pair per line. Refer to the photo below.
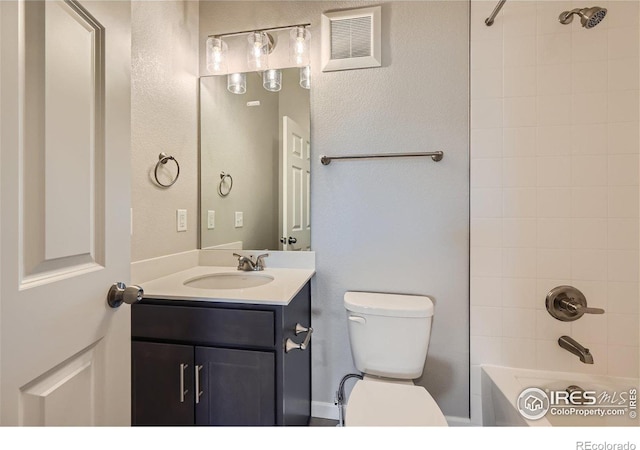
[375,402]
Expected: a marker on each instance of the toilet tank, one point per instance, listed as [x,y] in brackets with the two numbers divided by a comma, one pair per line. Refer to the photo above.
[389,333]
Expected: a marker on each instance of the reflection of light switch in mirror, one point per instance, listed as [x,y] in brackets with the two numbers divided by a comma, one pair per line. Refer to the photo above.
[181,220]
[254,103]
[211,220]
[239,219]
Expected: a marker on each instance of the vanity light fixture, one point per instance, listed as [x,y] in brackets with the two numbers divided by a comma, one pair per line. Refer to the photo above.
[305,77]
[237,83]
[299,45]
[216,55]
[272,80]
[261,44]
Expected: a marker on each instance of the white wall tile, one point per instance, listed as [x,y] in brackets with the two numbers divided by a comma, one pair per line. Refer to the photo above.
[623,234]
[589,170]
[519,262]
[486,54]
[486,321]
[520,20]
[623,42]
[554,140]
[518,323]
[519,142]
[589,109]
[486,232]
[591,46]
[624,74]
[554,233]
[519,232]
[623,137]
[486,291]
[486,172]
[549,328]
[550,356]
[486,143]
[589,202]
[622,14]
[486,202]
[623,361]
[589,233]
[590,329]
[554,171]
[623,201]
[486,262]
[623,265]
[548,13]
[554,79]
[589,264]
[623,297]
[486,82]
[623,106]
[591,140]
[486,113]
[519,352]
[520,51]
[486,350]
[553,48]
[480,10]
[519,81]
[589,77]
[553,264]
[623,170]
[519,202]
[519,112]
[594,291]
[554,202]
[519,292]
[554,109]
[519,172]
[623,329]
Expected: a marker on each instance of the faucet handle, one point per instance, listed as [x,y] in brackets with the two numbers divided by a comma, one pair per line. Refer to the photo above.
[567,304]
[260,261]
[573,305]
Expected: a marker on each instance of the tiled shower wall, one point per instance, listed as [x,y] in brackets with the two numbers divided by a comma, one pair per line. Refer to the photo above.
[554,185]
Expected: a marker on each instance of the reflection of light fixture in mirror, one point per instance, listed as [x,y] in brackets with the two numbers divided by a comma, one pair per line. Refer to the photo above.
[305,77]
[272,80]
[237,83]
[260,45]
[216,59]
[299,45]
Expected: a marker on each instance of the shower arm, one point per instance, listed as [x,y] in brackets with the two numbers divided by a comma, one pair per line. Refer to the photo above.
[496,10]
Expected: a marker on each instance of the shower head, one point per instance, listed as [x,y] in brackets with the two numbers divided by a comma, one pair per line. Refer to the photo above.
[589,17]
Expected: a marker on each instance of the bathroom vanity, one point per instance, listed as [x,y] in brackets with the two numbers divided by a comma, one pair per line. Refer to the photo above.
[201,360]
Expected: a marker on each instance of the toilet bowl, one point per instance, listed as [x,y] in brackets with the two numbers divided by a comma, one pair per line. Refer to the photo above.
[389,336]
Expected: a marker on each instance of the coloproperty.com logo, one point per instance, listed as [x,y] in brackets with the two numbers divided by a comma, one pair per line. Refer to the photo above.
[535,403]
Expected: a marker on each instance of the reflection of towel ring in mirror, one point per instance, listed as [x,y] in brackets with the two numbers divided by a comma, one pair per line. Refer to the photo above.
[162,159]
[221,189]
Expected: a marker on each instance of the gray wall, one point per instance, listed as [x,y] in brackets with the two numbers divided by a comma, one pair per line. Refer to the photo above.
[395,225]
[164,118]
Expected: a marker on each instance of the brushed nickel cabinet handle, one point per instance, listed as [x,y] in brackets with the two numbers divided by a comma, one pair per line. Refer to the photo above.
[198,391]
[183,391]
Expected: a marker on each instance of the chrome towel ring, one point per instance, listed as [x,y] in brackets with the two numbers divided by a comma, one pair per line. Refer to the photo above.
[221,188]
[163,158]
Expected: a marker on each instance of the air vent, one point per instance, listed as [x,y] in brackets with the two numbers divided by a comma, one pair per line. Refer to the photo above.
[351,39]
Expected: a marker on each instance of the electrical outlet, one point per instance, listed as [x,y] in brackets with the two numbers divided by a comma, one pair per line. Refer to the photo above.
[181,220]
[239,219]
[211,220]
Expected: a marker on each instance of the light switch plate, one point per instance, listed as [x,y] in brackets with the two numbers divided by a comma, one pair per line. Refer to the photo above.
[239,219]
[181,220]
[211,220]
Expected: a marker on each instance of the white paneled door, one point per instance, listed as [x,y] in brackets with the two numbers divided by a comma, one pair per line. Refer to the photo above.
[296,163]
[64,198]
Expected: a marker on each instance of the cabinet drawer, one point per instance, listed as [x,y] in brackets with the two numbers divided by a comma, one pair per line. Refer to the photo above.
[214,326]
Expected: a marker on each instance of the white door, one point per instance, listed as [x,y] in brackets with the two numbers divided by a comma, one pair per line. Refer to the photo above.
[296,163]
[65,195]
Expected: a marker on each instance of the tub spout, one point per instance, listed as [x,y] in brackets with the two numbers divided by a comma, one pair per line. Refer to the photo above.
[571,345]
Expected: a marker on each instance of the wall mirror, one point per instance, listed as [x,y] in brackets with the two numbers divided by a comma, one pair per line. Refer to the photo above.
[255,161]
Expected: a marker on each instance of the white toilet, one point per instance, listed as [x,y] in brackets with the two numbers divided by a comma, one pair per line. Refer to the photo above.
[389,336]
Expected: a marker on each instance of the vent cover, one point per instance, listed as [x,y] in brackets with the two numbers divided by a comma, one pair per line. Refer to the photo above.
[351,39]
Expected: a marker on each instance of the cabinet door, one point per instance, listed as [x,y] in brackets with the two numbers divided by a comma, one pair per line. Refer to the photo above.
[238,387]
[162,384]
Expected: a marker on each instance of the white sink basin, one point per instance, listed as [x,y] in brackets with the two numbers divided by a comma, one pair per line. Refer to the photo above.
[240,280]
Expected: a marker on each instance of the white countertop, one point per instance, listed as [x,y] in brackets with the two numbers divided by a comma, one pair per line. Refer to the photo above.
[286,284]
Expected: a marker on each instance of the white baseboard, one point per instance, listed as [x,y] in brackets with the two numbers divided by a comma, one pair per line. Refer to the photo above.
[324,410]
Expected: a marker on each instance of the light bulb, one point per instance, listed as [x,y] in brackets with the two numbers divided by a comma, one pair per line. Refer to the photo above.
[299,46]
[258,53]
[215,51]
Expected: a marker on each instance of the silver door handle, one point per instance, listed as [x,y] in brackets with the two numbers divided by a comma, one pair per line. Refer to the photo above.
[292,240]
[198,391]
[119,293]
[183,391]
[290,345]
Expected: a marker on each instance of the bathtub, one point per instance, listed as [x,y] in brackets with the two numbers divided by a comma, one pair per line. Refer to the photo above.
[501,387]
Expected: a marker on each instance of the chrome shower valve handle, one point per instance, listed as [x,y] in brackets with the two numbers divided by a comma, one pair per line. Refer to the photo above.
[567,304]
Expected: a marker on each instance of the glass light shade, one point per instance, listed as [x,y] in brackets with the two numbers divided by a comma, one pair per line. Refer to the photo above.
[258,51]
[305,77]
[216,55]
[272,80]
[299,46]
[237,83]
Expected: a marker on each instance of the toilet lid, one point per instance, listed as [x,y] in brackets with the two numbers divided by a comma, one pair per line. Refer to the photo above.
[379,403]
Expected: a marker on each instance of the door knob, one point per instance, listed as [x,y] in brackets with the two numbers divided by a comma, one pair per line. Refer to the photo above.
[119,293]
[292,240]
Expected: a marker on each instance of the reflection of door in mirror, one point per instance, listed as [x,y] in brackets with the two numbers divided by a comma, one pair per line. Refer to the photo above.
[295,216]
[243,136]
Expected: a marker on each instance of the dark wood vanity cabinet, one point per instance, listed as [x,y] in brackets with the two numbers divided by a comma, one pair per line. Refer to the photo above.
[215,363]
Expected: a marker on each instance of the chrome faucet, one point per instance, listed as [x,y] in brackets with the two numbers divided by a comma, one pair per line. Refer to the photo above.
[571,345]
[247,264]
